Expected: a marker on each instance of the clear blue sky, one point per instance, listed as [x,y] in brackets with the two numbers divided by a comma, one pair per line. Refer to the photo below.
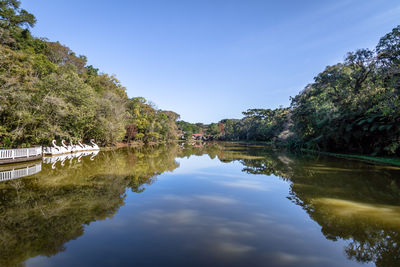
[212,59]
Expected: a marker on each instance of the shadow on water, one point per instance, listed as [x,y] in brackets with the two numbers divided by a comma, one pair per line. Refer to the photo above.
[350,200]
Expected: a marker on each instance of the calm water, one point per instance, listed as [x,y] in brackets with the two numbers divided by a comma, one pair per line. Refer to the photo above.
[214,205]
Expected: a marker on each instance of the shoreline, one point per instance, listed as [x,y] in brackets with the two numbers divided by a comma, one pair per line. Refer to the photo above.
[366,158]
[391,161]
[135,144]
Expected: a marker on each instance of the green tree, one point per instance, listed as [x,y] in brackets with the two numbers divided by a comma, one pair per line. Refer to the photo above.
[12,15]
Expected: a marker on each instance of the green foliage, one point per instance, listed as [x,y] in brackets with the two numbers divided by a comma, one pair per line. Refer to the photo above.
[213,129]
[256,125]
[188,127]
[188,135]
[11,15]
[352,106]
[152,125]
[47,92]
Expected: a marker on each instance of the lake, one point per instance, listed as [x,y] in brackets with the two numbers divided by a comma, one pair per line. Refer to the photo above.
[215,204]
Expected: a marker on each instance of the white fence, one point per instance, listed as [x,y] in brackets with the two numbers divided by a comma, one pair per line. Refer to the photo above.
[20,153]
[18,173]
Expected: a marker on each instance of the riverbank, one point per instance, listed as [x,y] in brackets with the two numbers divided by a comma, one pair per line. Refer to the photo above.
[371,159]
[272,145]
[136,144]
[377,160]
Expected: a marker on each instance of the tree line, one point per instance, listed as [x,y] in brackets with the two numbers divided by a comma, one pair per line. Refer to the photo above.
[352,106]
[48,92]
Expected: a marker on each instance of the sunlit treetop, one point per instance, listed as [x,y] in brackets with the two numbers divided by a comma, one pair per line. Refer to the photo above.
[11,14]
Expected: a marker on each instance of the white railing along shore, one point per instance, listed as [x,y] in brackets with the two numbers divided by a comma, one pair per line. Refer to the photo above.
[18,173]
[20,153]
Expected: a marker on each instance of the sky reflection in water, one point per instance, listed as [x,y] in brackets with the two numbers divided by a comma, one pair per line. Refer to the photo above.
[213,211]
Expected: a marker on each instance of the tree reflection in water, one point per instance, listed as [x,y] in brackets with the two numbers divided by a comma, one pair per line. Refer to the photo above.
[350,200]
[39,214]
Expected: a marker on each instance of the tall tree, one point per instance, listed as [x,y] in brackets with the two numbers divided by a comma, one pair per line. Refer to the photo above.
[11,15]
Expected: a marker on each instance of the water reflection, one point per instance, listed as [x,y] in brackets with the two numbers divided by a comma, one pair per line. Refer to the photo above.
[350,200]
[217,217]
[15,171]
[40,214]
[69,157]
[20,170]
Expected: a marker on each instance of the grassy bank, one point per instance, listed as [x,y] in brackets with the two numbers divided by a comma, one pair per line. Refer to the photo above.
[380,160]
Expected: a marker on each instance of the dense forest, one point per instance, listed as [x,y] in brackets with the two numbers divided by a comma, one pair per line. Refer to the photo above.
[48,92]
[352,106]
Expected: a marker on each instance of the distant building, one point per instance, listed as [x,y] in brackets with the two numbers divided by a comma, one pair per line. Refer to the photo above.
[197,136]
